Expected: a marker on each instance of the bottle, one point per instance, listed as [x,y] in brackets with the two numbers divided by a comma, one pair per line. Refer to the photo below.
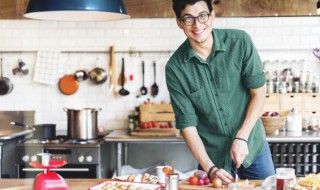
[131,123]
[270,87]
[294,120]
[137,112]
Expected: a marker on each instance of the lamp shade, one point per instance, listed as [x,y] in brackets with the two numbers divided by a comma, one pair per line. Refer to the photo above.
[318,7]
[76,10]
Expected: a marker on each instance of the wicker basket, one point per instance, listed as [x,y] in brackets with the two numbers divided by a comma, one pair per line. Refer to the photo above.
[271,124]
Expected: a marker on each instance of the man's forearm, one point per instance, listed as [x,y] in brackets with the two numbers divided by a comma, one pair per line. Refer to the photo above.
[253,112]
[196,147]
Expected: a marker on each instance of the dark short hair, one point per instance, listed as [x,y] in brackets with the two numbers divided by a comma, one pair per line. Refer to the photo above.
[179,5]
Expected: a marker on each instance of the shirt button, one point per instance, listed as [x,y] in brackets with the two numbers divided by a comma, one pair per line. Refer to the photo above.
[221,109]
[225,124]
[216,94]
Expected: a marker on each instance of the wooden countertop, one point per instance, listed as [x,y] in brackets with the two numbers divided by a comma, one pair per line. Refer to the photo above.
[84,184]
[27,184]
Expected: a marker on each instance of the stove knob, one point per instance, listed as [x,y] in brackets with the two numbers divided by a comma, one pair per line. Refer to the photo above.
[81,158]
[25,158]
[89,158]
[33,158]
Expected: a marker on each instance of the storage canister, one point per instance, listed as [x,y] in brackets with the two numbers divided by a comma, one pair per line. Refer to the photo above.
[294,120]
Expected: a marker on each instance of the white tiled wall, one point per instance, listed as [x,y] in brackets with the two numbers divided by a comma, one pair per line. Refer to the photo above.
[283,38]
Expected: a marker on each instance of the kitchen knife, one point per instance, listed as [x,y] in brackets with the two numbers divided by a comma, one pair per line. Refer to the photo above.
[236,176]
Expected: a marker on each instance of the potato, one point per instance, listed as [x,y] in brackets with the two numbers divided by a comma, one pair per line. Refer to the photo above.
[131,187]
[130,178]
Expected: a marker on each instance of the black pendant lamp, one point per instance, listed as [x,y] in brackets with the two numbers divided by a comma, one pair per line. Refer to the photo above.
[76,10]
[318,7]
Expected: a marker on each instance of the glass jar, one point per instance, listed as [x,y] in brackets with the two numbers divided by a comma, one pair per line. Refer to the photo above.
[283,87]
[313,124]
[315,87]
[296,87]
[270,87]
[131,122]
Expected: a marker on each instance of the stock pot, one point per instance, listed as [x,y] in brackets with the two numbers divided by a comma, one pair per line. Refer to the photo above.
[82,123]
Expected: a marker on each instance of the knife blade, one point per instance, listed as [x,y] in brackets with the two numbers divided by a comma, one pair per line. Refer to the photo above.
[236,176]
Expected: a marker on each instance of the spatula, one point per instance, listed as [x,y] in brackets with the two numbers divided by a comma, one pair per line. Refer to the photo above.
[154,87]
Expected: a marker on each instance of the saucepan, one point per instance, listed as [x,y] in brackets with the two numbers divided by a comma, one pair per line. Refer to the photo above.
[40,131]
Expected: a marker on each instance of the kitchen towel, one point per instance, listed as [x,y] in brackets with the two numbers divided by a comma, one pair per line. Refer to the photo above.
[48,67]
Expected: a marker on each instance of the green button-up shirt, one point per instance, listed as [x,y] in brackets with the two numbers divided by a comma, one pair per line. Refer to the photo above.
[213,94]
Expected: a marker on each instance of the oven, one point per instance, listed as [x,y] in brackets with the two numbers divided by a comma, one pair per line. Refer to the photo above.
[83,158]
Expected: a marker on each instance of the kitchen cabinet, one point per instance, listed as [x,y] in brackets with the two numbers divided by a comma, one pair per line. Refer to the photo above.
[302,156]
[307,103]
[271,103]
[14,9]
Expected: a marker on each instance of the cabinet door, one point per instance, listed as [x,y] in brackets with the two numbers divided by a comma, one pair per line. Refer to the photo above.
[288,101]
[311,102]
[310,114]
[271,103]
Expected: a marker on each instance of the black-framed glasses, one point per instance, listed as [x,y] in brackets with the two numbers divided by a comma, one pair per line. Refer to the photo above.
[189,20]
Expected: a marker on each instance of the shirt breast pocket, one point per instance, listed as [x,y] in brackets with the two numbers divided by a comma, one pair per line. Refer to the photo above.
[201,101]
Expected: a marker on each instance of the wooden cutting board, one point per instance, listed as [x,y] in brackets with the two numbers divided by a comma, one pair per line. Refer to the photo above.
[154,134]
[183,185]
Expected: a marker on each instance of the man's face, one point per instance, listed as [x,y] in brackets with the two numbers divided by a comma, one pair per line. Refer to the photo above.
[197,32]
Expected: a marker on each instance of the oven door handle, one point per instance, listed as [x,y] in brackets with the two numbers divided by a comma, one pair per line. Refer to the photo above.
[57,169]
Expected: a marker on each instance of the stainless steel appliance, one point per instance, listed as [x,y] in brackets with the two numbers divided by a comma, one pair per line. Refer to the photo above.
[9,136]
[82,156]
[83,123]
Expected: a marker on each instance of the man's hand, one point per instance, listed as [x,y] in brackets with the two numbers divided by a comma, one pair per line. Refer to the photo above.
[225,177]
[239,151]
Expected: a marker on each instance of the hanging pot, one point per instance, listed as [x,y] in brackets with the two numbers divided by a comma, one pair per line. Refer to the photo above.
[6,86]
[98,75]
[40,131]
[82,123]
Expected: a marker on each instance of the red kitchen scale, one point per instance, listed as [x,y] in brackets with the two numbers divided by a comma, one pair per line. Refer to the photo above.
[49,180]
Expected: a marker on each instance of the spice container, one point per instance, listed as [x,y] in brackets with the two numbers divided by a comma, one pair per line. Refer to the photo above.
[313,124]
[270,87]
[283,87]
[172,182]
[294,120]
[296,87]
[131,122]
[315,87]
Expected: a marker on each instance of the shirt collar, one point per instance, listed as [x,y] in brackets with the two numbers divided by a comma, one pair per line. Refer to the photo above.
[218,45]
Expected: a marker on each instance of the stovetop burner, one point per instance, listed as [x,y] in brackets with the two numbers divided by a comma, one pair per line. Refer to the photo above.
[77,141]
[61,140]
[43,141]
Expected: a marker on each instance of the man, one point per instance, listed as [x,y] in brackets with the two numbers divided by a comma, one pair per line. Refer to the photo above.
[216,86]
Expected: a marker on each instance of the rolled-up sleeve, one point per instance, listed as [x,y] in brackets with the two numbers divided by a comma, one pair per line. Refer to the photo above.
[182,106]
[252,70]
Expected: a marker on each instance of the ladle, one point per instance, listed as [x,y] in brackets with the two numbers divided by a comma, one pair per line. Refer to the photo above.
[143,89]
[154,87]
[122,91]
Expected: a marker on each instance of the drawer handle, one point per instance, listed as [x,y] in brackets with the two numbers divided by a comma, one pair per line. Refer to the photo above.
[314,96]
[314,112]
[267,96]
[291,96]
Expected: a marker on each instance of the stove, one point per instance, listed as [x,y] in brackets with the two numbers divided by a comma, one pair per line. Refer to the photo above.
[82,156]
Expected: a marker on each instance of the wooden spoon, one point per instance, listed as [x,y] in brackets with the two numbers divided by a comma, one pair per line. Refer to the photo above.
[122,80]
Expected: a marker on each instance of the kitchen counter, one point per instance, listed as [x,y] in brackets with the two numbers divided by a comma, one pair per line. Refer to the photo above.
[13,133]
[27,184]
[122,138]
[83,184]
